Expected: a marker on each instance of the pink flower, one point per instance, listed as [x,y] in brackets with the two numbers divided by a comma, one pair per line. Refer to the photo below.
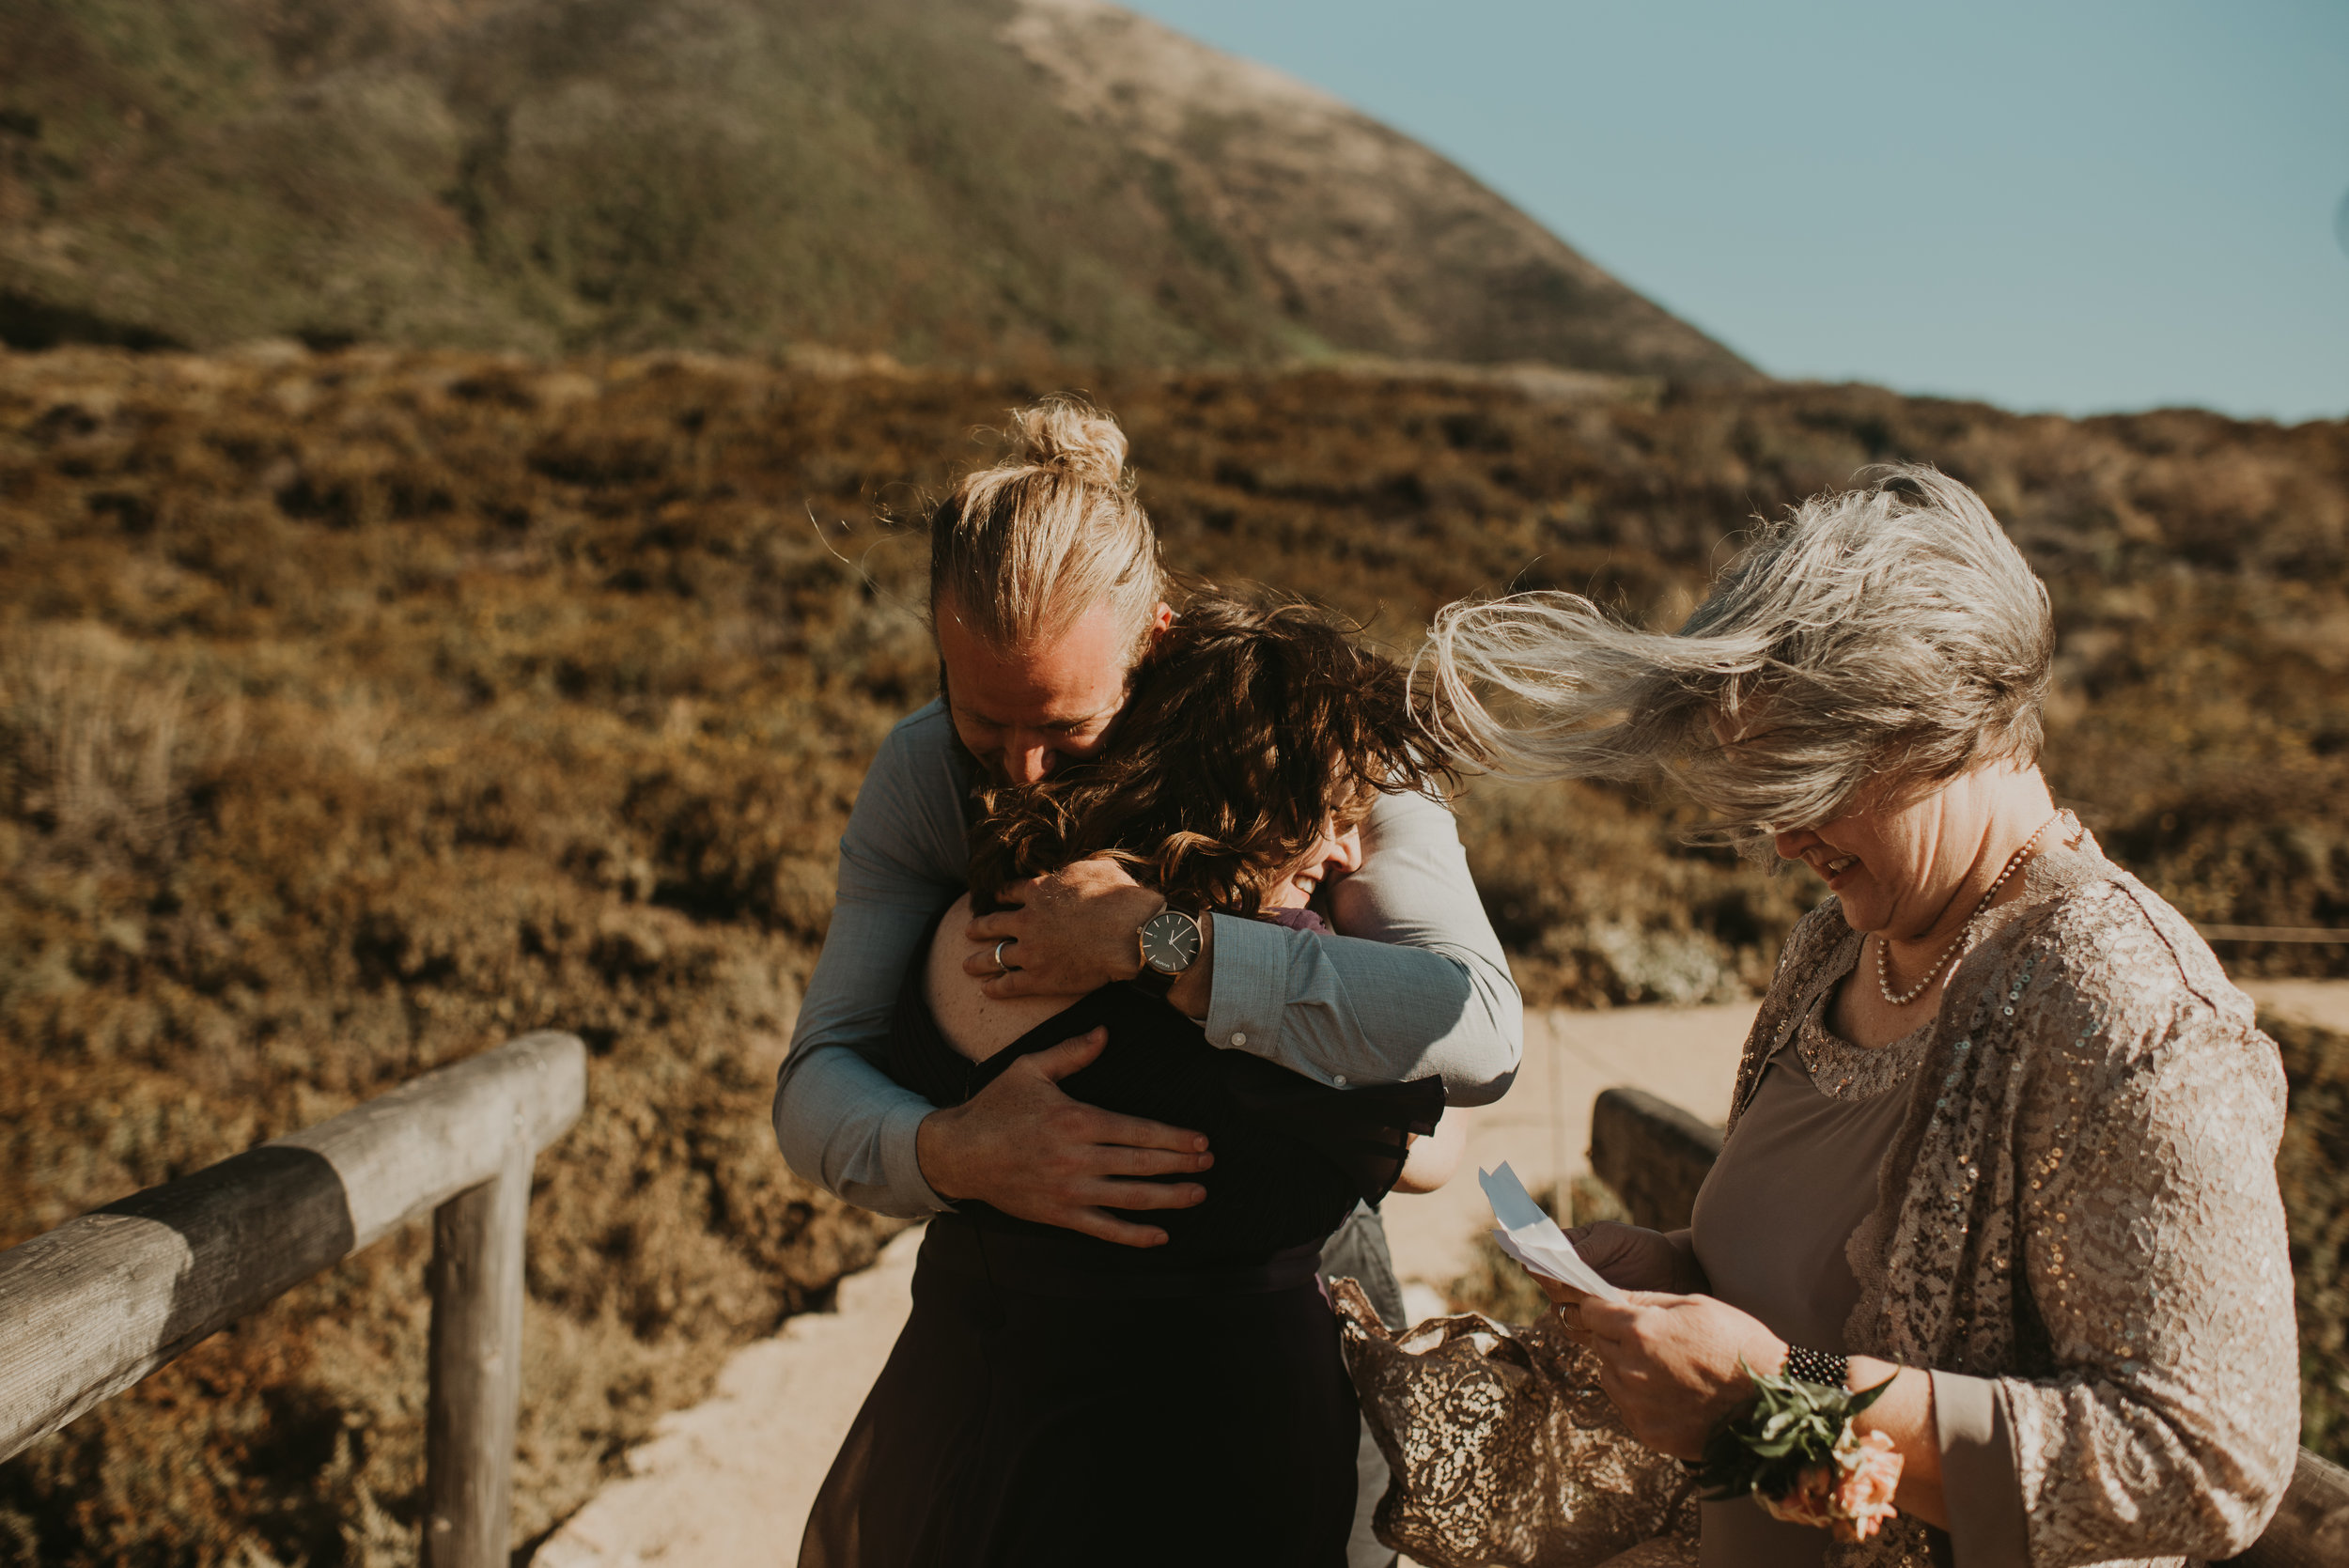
[1852,1497]
[1868,1472]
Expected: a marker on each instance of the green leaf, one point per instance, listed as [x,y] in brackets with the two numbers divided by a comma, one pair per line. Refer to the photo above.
[1791,1426]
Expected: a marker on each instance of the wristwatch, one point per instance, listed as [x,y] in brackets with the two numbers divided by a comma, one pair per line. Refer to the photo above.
[1170,943]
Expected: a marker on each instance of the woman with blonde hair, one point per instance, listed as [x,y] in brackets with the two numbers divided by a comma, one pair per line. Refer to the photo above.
[2002,1141]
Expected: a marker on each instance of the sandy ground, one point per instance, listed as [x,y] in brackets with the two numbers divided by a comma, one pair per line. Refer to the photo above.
[1542,1127]
[729,1482]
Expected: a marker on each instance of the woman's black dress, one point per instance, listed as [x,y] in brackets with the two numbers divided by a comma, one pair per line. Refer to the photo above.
[1055,1399]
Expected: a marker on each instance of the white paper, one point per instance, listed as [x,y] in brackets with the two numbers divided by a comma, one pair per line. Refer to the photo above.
[1533,1238]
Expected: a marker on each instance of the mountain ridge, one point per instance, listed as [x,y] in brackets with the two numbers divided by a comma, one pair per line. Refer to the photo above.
[1405,224]
[933,180]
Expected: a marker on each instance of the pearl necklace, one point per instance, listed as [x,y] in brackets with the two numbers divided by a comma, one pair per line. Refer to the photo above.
[1884,946]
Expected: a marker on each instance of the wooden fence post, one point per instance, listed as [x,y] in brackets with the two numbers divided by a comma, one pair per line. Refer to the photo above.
[90,1308]
[476,1393]
[1653,1153]
[2312,1528]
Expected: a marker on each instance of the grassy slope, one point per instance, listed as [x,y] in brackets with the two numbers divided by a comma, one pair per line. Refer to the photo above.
[1368,239]
[725,175]
[712,173]
[358,711]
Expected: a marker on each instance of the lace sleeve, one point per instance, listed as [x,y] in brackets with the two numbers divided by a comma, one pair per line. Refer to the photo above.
[2153,1252]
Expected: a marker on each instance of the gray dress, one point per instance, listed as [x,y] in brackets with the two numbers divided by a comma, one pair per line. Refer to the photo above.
[1773,1226]
[1359,1252]
[2078,1212]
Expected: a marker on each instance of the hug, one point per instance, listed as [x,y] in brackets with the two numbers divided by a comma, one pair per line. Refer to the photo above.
[1157,963]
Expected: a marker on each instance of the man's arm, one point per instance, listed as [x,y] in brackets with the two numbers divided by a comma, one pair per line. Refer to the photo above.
[1417,986]
[1019,1144]
[840,1120]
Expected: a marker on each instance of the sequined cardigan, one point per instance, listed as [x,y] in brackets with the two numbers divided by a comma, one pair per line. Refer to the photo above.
[2081,1204]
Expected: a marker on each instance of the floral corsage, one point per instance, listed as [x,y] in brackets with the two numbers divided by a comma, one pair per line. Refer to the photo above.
[1795,1453]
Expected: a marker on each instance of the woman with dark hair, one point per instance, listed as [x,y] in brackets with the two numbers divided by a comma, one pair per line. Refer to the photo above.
[1056,1398]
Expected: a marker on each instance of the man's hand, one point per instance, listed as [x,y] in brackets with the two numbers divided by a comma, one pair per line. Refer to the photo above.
[1024,1147]
[1074,931]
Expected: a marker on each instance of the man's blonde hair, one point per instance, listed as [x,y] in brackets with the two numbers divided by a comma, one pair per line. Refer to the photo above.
[1026,548]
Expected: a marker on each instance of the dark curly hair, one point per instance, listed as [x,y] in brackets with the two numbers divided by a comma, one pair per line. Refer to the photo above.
[1246,729]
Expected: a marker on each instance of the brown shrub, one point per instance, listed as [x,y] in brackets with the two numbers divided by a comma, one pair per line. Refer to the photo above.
[2312,1169]
[359,711]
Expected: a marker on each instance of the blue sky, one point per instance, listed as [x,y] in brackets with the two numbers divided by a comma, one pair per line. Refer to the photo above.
[2072,205]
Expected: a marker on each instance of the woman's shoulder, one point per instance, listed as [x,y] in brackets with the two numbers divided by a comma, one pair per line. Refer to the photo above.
[1816,938]
[974,1023]
[2111,964]
[2115,937]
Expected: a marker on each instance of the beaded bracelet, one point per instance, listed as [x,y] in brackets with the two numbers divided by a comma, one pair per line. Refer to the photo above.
[1817,1366]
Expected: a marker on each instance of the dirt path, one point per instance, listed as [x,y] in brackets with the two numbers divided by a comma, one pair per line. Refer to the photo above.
[729,1482]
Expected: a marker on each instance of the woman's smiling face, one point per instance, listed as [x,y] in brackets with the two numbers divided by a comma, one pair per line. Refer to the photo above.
[1338,852]
[1897,869]
[1862,866]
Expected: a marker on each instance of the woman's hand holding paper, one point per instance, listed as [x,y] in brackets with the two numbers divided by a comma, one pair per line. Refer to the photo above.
[1673,1364]
[1636,1258]
[1525,1232]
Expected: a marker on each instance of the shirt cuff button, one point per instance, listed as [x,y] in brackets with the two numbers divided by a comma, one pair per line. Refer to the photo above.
[1241,1038]
[1338,1079]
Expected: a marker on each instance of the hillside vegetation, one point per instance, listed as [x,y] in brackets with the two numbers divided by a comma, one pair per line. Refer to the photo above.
[2313,1167]
[947,181]
[360,711]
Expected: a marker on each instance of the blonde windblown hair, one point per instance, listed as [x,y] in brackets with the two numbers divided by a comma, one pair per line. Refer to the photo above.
[1023,549]
[1873,643]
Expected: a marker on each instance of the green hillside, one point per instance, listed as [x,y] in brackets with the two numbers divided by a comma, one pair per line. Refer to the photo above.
[933,180]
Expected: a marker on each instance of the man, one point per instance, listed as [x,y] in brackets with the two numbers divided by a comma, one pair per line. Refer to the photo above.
[1045,593]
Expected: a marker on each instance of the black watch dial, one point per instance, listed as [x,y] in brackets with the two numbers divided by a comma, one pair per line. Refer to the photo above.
[1170,941]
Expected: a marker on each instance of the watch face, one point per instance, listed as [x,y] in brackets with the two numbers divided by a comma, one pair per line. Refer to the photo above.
[1170,940]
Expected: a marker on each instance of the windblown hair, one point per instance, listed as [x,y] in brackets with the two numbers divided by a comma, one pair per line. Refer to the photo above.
[1869,645]
[1020,552]
[1247,729]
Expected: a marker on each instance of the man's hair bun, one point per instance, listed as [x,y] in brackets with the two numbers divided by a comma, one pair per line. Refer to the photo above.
[1073,437]
[1022,549]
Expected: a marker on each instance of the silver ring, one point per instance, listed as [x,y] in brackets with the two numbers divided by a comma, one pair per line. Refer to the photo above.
[1002,968]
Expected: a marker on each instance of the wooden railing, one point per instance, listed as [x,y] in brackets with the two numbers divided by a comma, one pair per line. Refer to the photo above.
[1655,1155]
[90,1308]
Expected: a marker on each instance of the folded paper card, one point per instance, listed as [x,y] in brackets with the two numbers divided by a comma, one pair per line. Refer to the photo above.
[1533,1238]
